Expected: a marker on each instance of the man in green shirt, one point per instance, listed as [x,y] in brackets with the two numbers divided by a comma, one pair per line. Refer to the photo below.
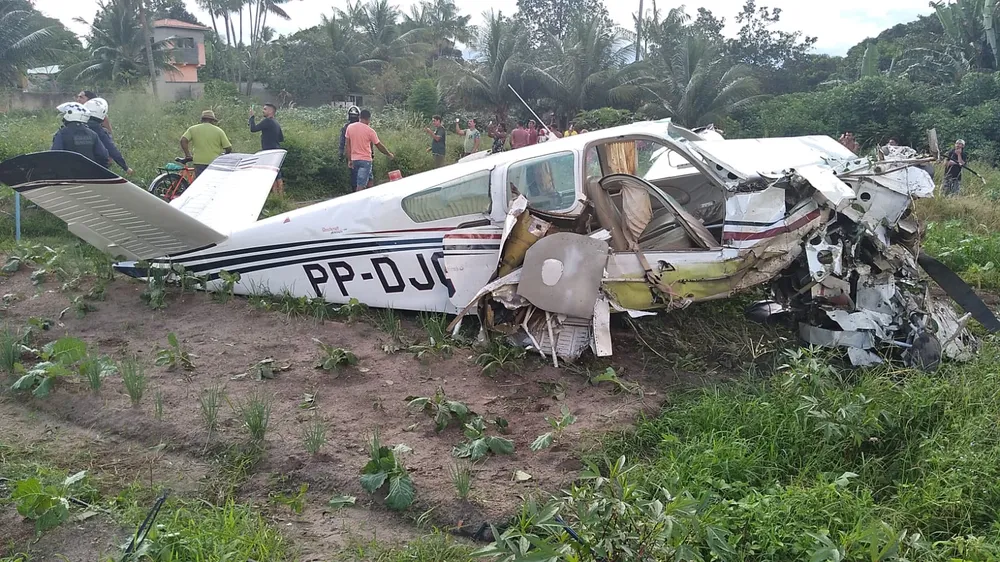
[204,142]
[472,137]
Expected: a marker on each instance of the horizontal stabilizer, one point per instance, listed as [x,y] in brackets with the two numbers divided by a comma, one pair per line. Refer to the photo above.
[230,194]
[103,209]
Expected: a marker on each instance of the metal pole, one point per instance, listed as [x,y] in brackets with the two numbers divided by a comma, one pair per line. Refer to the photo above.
[539,119]
[17,216]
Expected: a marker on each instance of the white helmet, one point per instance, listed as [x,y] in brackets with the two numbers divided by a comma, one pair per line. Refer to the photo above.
[97,107]
[74,112]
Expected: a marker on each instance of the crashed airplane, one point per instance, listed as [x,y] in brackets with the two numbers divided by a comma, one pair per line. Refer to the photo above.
[544,243]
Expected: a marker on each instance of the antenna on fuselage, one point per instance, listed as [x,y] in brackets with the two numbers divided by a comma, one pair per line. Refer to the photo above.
[538,119]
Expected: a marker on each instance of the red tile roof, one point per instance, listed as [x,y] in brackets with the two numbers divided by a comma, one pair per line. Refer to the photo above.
[178,24]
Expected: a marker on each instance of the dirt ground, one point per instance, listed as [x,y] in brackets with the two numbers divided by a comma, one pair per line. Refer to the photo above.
[106,432]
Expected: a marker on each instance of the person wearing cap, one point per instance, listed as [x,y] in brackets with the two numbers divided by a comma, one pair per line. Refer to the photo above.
[953,168]
[204,142]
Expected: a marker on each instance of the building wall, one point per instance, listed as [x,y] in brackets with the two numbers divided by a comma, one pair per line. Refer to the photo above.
[174,91]
[182,73]
[33,101]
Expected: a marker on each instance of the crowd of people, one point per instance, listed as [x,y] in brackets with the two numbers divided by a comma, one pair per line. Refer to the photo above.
[86,129]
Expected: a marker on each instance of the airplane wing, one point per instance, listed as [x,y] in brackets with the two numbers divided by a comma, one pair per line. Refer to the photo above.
[105,210]
[231,192]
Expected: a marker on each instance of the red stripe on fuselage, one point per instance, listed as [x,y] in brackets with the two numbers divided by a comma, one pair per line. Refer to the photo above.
[769,233]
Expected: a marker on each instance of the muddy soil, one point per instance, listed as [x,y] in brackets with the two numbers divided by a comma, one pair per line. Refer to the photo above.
[227,339]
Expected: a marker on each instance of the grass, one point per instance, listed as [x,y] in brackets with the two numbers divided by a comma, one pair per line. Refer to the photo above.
[134,379]
[816,450]
[314,436]
[461,478]
[10,349]
[255,412]
[210,400]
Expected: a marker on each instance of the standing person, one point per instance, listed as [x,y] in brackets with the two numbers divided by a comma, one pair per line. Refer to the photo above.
[953,168]
[553,130]
[75,136]
[97,109]
[204,142]
[86,95]
[532,132]
[353,114]
[271,138]
[498,133]
[571,130]
[472,137]
[519,136]
[437,134]
[543,136]
[359,139]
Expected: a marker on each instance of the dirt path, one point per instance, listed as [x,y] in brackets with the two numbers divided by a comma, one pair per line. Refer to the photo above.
[229,338]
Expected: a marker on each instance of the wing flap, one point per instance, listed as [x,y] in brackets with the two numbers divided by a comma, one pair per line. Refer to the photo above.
[230,194]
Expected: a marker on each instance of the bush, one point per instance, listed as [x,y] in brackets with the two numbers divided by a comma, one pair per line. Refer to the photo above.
[603,118]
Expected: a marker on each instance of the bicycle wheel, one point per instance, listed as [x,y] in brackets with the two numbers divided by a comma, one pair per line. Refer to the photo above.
[168,186]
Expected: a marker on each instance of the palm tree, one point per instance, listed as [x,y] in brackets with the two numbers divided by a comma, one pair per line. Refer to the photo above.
[346,54]
[587,68]
[697,84]
[117,44]
[969,26]
[485,81]
[438,24]
[18,43]
[377,24]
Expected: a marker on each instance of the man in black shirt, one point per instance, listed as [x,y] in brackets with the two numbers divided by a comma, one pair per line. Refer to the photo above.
[270,139]
[953,168]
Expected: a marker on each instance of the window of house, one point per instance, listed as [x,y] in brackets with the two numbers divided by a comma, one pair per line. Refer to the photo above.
[183,42]
[468,195]
[548,182]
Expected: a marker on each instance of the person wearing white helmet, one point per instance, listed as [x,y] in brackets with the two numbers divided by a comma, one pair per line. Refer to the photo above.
[86,95]
[97,108]
[76,136]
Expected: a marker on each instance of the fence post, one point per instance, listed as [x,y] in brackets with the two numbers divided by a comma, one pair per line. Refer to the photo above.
[17,216]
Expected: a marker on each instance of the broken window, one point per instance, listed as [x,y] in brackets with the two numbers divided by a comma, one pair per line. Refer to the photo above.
[468,195]
[548,182]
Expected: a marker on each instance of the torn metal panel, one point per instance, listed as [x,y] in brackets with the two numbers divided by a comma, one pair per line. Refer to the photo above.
[562,273]
[824,259]
[829,187]
[601,345]
[836,338]
[863,357]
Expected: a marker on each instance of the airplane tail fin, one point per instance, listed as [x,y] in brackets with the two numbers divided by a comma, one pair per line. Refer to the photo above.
[106,210]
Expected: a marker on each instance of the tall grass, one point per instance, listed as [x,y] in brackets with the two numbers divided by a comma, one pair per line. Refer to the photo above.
[815,450]
[255,411]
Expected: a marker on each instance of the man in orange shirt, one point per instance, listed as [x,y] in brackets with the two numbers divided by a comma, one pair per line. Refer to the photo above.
[358,140]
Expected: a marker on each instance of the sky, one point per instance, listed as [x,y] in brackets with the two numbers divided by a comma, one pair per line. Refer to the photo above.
[838,25]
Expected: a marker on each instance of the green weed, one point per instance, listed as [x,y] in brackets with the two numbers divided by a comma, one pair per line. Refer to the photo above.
[209,401]
[461,478]
[226,290]
[174,356]
[255,412]
[386,467]
[95,369]
[11,345]
[134,378]
[333,358]
[56,360]
[352,311]
[314,436]
[440,409]
[559,425]
[158,405]
[46,505]
[155,293]
[479,444]
[500,356]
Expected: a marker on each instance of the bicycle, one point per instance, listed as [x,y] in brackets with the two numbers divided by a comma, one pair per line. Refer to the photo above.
[175,178]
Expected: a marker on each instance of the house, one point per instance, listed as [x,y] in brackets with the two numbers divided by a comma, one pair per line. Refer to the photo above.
[187,43]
